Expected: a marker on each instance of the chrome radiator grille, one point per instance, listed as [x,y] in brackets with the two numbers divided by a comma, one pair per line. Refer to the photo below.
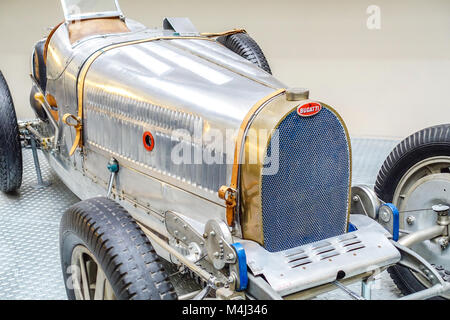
[307,200]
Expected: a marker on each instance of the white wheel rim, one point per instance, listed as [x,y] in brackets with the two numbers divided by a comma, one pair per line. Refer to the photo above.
[88,278]
[425,184]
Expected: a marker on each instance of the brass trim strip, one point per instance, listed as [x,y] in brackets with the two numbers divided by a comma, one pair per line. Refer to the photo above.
[88,63]
[242,129]
[350,152]
[220,34]
[231,200]
[49,38]
[77,126]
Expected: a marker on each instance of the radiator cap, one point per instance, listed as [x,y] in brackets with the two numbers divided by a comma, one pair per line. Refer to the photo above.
[297,94]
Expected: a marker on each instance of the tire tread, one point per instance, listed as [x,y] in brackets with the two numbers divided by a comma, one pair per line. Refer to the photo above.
[120,246]
[10,147]
[246,47]
[426,143]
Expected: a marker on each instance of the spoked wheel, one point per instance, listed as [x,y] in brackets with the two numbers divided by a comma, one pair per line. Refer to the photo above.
[89,281]
[105,255]
[415,177]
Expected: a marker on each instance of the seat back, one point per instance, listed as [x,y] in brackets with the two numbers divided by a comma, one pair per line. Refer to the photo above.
[79,30]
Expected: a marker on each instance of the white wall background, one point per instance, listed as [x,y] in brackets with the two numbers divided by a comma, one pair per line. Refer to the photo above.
[388,82]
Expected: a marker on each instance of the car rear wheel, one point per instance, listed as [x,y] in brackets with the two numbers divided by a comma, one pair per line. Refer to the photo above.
[246,47]
[414,177]
[10,147]
[106,256]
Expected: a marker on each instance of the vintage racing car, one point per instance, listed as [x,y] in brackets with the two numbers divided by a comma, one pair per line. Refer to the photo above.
[188,153]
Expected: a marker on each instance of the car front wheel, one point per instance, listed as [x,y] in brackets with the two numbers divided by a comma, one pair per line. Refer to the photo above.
[106,256]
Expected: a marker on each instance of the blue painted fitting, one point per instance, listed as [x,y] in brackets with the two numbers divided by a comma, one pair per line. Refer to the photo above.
[113,166]
[396,221]
[352,227]
[242,262]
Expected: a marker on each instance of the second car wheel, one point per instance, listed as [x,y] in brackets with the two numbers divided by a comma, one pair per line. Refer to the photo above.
[246,47]
[414,177]
[10,147]
[106,256]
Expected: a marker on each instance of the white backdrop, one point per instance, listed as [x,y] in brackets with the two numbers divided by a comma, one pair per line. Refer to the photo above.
[388,77]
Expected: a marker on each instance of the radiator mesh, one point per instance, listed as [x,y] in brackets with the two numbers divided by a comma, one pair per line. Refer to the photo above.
[307,199]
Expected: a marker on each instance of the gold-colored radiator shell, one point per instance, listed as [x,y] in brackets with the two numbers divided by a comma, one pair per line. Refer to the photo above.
[255,148]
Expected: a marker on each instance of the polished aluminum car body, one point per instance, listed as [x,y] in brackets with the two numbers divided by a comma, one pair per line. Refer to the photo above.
[145,96]
[182,89]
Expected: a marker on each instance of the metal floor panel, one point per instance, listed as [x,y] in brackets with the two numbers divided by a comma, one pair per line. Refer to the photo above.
[368,157]
[29,236]
[29,229]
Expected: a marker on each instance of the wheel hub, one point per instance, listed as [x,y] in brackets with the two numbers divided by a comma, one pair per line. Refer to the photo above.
[423,188]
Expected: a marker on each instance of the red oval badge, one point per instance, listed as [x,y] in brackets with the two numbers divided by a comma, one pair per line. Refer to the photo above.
[310,109]
[149,141]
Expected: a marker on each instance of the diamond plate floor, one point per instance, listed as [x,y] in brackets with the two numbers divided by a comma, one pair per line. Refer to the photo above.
[29,231]
[29,227]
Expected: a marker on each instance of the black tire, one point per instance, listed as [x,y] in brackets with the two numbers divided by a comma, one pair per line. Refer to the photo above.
[121,248]
[10,147]
[39,65]
[246,47]
[424,144]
